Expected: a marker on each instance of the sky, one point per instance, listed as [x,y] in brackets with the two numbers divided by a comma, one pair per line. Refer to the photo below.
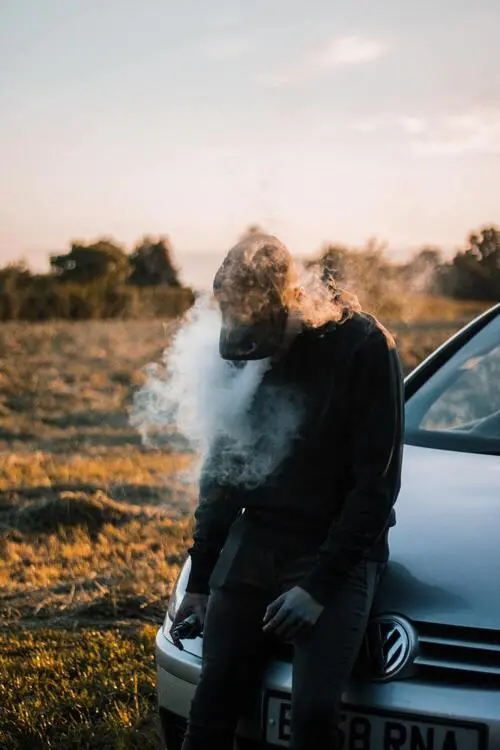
[320,120]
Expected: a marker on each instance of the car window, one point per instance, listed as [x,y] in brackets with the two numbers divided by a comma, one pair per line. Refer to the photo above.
[458,408]
[474,395]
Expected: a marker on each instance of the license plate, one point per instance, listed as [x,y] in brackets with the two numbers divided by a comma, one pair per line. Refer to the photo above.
[373,731]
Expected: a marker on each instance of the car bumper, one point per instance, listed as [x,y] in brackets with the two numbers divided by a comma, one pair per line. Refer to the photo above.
[178,672]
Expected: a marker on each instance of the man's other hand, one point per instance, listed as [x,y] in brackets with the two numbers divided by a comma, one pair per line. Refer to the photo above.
[193,606]
[292,614]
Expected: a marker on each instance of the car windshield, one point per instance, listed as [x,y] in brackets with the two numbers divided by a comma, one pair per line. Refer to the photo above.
[458,407]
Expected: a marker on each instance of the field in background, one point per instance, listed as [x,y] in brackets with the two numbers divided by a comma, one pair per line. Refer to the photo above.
[428,308]
[93,528]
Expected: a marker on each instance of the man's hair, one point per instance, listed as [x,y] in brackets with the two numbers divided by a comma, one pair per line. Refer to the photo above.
[258,263]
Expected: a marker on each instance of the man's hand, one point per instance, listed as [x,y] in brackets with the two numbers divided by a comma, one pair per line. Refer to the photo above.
[292,614]
[194,607]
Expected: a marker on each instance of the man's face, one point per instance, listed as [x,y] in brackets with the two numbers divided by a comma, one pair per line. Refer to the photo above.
[252,327]
[249,287]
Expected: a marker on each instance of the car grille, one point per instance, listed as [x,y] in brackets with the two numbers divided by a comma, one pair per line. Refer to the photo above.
[446,653]
[458,654]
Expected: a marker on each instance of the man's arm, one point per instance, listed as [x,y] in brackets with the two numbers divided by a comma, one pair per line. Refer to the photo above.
[375,443]
[217,509]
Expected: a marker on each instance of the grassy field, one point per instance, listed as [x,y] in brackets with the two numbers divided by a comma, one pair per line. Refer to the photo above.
[93,528]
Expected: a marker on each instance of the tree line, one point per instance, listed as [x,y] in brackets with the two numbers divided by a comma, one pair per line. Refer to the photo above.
[385,287]
[95,281]
[101,280]
[473,273]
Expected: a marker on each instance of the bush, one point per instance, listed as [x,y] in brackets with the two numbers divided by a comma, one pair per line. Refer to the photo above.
[46,298]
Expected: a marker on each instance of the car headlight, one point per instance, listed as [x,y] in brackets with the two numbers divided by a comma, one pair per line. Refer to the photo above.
[178,592]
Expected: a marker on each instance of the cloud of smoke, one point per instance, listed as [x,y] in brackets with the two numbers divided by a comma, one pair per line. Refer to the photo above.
[208,401]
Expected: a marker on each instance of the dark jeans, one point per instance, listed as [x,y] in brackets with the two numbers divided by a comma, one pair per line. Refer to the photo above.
[235,651]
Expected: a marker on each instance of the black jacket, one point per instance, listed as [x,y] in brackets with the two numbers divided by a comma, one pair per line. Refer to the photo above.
[336,490]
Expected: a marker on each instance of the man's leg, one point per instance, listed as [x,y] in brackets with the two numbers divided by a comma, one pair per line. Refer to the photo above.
[233,651]
[324,659]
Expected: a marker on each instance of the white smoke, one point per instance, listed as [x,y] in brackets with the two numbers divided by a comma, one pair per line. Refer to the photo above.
[207,400]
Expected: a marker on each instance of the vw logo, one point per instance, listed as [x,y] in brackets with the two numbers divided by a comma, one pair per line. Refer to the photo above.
[392,645]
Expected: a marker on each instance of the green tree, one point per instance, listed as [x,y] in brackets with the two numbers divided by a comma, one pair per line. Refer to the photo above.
[474,273]
[100,261]
[152,263]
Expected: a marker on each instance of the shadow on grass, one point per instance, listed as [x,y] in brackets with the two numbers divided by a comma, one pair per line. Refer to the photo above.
[90,418]
[120,492]
[91,508]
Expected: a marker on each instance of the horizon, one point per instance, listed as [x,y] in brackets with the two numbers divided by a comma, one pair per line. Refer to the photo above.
[327,126]
[196,268]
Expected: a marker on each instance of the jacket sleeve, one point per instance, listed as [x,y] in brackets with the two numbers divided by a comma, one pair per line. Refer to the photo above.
[375,435]
[217,508]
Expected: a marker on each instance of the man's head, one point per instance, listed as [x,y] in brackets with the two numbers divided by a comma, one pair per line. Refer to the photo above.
[254,287]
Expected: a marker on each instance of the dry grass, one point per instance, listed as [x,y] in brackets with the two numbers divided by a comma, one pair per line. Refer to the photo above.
[421,308]
[89,517]
[414,347]
[117,561]
[66,387]
[137,477]
[93,528]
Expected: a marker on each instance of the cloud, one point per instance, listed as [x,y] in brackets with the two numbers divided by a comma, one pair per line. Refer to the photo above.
[406,123]
[227,48]
[338,52]
[412,125]
[475,132]
[349,50]
[274,80]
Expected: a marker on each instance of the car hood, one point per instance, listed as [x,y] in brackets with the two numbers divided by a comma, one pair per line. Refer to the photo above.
[445,547]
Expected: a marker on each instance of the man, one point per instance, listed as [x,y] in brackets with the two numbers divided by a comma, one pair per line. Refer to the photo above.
[299,555]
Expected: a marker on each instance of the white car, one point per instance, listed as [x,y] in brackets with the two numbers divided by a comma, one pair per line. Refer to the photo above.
[428,676]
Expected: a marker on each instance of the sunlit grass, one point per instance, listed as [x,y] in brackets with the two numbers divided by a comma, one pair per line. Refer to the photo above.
[41,469]
[78,689]
[125,567]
